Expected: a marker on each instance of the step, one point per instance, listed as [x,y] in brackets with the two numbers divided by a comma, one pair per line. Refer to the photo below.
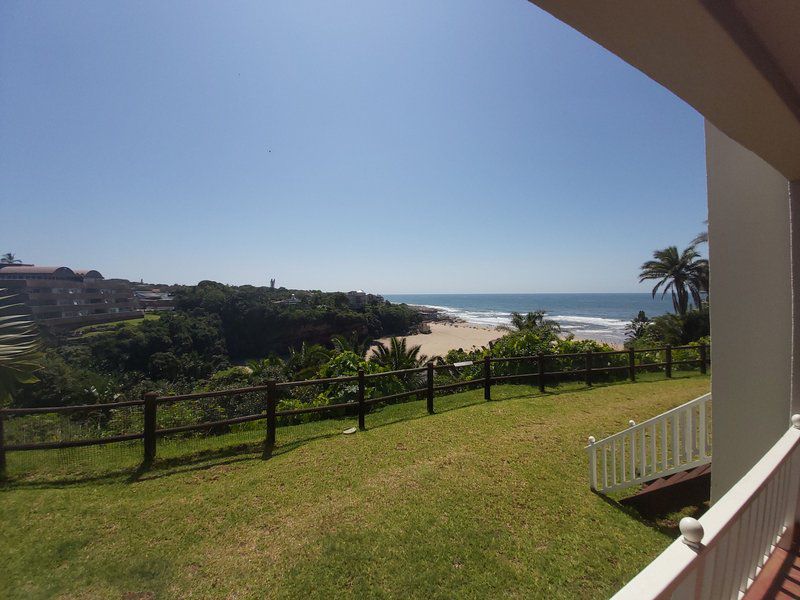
[673,492]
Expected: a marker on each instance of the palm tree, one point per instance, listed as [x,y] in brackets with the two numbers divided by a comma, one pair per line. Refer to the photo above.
[10,259]
[702,237]
[683,274]
[351,344]
[397,355]
[305,362]
[530,322]
[19,348]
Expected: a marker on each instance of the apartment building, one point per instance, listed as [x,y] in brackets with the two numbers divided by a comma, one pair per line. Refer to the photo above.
[60,296]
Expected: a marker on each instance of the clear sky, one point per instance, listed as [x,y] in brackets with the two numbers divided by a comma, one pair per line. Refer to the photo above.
[415,146]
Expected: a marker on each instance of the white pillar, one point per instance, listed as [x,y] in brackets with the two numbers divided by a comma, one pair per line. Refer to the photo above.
[751,306]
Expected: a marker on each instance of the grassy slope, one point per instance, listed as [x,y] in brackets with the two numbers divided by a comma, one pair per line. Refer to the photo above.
[482,499]
[113,326]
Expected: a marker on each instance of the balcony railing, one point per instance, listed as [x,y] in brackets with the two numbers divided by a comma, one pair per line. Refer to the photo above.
[674,441]
[719,556]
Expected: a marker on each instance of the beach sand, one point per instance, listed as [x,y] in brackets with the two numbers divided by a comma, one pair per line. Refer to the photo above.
[449,336]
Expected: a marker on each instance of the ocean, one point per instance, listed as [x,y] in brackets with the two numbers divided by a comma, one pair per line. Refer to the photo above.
[594,316]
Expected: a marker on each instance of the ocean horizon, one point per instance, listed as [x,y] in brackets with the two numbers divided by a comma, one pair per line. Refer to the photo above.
[599,316]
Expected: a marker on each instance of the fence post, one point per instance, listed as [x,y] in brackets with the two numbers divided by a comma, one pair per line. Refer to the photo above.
[272,402]
[632,364]
[589,368]
[703,359]
[2,446]
[540,360]
[150,407]
[668,366]
[430,388]
[487,378]
[361,387]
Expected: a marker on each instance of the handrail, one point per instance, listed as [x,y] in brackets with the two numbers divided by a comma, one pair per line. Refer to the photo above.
[676,440]
[655,419]
[750,518]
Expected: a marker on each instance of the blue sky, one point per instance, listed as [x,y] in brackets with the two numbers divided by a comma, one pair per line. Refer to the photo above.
[449,146]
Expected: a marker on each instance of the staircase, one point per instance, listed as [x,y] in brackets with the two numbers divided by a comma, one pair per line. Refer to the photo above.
[661,453]
[662,495]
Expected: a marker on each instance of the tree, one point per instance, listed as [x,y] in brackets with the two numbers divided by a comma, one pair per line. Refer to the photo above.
[352,344]
[532,321]
[702,237]
[10,258]
[638,327]
[303,363]
[684,274]
[397,355]
[19,348]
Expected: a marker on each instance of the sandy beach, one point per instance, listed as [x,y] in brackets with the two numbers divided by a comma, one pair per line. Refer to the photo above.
[448,336]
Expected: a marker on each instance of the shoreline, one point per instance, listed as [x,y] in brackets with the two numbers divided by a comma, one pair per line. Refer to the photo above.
[441,332]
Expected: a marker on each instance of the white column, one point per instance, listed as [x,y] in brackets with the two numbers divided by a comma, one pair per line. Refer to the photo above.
[751,306]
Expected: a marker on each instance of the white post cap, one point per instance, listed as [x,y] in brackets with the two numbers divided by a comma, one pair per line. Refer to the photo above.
[796,421]
[631,423]
[591,439]
[692,531]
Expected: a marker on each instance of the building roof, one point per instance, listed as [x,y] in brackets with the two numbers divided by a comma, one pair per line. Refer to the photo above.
[56,272]
[33,270]
[89,273]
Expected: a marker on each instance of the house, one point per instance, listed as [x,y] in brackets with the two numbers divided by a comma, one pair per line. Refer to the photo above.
[737,62]
[154,299]
[62,297]
[357,299]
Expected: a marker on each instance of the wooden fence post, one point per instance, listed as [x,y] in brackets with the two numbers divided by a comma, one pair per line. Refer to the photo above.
[487,378]
[589,368]
[540,360]
[150,407]
[272,402]
[632,364]
[668,366]
[703,359]
[430,388]
[361,407]
[2,446]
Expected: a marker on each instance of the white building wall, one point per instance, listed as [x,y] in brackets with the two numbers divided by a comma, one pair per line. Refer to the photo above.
[751,306]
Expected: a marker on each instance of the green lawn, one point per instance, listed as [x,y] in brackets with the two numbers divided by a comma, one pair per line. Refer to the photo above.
[480,500]
[112,326]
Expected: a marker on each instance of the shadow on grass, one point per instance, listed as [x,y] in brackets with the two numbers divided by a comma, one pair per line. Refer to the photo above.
[666,523]
[252,451]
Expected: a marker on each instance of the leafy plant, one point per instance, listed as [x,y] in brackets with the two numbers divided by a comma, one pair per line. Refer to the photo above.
[397,355]
[532,321]
[354,343]
[19,348]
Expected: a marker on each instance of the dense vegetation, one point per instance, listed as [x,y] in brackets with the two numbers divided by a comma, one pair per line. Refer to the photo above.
[215,328]
[684,275]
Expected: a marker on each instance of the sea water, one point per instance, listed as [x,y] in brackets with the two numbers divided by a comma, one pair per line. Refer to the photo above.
[593,316]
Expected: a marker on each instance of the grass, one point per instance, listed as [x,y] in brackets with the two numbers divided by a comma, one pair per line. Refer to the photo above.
[481,499]
[112,326]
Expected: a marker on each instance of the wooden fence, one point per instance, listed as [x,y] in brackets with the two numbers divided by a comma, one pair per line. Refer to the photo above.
[538,364]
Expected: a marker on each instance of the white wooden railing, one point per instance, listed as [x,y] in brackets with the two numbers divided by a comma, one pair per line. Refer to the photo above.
[719,556]
[676,440]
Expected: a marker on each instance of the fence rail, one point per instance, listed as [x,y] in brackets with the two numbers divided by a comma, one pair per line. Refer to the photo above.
[720,555]
[676,440]
[584,366]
